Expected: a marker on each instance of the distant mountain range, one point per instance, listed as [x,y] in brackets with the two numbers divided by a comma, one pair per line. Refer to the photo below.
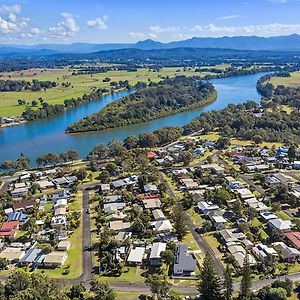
[276,43]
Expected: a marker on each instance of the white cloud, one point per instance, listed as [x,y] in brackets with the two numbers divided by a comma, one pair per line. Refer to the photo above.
[7,26]
[230,17]
[98,23]
[263,29]
[66,28]
[14,9]
[158,29]
[137,35]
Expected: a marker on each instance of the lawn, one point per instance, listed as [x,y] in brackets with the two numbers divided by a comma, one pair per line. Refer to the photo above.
[256,223]
[134,274]
[293,81]
[74,260]
[196,218]
[281,214]
[80,84]
[190,241]
[77,203]
[209,137]
[127,295]
[213,243]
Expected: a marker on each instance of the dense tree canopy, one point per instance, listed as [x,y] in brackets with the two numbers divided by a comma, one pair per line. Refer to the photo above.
[158,99]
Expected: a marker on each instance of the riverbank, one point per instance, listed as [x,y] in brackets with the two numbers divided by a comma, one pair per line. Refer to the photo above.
[169,97]
[48,135]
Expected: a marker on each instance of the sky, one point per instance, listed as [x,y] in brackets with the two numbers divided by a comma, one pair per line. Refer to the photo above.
[128,21]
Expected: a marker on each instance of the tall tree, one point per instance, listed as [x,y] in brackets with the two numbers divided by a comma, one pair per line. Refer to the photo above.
[209,285]
[179,222]
[158,285]
[102,290]
[228,284]
[245,289]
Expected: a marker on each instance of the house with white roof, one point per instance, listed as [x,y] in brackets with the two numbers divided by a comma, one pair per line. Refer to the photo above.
[156,249]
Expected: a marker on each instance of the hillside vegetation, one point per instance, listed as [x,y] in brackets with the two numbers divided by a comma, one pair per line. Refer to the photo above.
[150,102]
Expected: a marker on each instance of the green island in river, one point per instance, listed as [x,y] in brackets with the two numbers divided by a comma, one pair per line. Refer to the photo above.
[153,101]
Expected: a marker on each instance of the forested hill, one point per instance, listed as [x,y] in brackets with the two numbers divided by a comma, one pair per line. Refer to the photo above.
[150,102]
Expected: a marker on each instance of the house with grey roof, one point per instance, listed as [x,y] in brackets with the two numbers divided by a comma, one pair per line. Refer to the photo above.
[184,263]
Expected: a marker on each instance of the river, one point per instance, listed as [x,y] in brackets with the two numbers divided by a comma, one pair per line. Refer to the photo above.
[44,136]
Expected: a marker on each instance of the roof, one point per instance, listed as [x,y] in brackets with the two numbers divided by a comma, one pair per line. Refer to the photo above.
[8,226]
[294,238]
[136,255]
[152,154]
[17,216]
[31,255]
[156,249]
[183,260]
[12,253]
[163,225]
[56,257]
[24,204]
[158,214]
[151,203]
[281,224]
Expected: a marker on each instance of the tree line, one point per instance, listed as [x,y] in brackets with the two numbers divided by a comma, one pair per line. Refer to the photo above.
[23,85]
[156,100]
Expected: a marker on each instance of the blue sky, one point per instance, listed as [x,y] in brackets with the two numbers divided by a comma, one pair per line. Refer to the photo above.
[123,21]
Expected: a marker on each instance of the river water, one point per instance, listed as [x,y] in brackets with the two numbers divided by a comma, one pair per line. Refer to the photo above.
[43,136]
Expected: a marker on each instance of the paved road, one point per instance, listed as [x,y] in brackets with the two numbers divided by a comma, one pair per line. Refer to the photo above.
[205,248]
[87,258]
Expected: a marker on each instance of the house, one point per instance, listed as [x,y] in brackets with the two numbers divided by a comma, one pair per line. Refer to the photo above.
[60,211]
[9,229]
[184,262]
[264,253]
[119,225]
[136,256]
[20,192]
[294,238]
[59,222]
[63,245]
[287,253]
[280,225]
[24,205]
[267,215]
[119,184]
[61,203]
[189,184]
[151,203]
[104,188]
[296,165]
[157,248]
[17,216]
[198,151]
[231,235]
[205,207]
[213,168]
[30,256]
[158,215]
[244,193]
[162,226]
[12,254]
[123,235]
[281,178]
[151,189]
[240,259]
[55,259]
[45,184]
[152,155]
[218,221]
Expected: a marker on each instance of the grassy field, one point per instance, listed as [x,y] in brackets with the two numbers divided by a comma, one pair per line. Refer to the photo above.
[80,84]
[293,81]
